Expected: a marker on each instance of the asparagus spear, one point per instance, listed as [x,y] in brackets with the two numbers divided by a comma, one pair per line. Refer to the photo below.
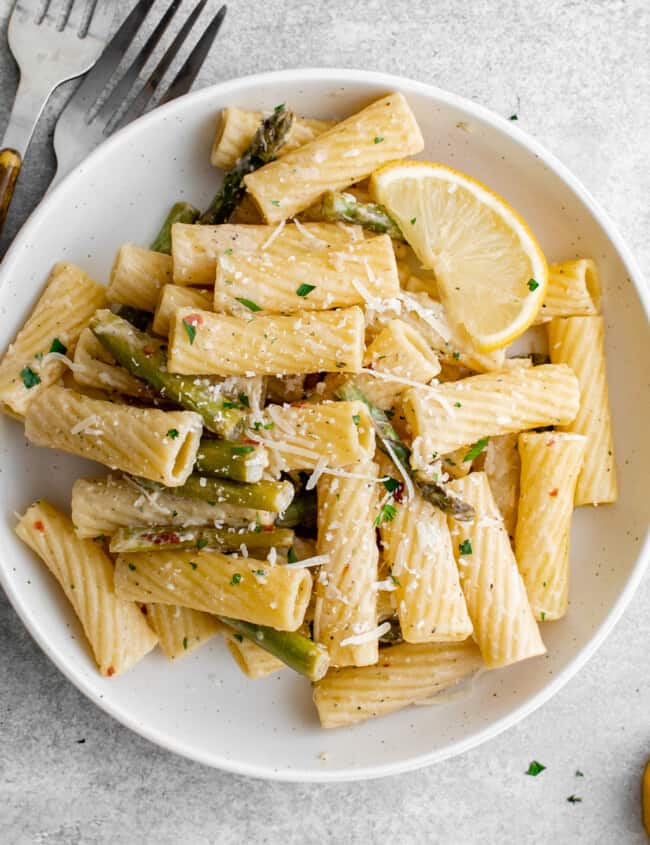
[161,537]
[270,136]
[145,357]
[395,448]
[301,513]
[299,653]
[264,496]
[346,207]
[180,212]
[240,461]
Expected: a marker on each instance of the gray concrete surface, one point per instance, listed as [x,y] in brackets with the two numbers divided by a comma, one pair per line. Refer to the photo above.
[577,73]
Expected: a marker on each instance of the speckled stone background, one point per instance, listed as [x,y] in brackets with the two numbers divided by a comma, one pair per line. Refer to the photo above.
[577,74]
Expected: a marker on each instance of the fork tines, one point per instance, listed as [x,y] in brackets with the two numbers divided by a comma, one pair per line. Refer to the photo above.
[107,114]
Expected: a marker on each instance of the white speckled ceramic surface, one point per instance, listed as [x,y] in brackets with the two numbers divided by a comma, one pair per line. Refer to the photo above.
[205,706]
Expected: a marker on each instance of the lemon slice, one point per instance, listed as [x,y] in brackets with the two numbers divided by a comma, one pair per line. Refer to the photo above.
[490,269]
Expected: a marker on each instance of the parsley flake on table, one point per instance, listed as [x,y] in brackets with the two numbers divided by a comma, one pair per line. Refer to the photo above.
[535,768]
[252,306]
[476,449]
[465,548]
[574,799]
[513,117]
[29,377]
[579,774]
[305,290]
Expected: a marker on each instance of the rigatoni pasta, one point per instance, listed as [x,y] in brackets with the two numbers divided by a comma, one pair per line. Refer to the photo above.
[201,342]
[137,277]
[236,128]
[159,445]
[579,342]
[243,588]
[36,358]
[346,153]
[573,290]
[180,630]
[173,297]
[504,626]
[550,465]
[116,629]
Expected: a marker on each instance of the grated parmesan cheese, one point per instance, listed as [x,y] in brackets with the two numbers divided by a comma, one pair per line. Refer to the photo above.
[367,636]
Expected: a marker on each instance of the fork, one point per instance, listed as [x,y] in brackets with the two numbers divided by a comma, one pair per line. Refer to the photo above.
[52,41]
[87,120]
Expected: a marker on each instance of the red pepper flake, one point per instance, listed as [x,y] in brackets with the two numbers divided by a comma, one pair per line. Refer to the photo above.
[148,350]
[250,442]
[554,492]
[550,442]
[398,493]
[110,671]
[38,525]
[193,319]
[163,538]
[268,528]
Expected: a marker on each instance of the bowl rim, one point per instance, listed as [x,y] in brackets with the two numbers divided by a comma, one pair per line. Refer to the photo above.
[347,76]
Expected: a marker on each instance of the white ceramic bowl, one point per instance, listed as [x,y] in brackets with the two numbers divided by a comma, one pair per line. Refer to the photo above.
[203,707]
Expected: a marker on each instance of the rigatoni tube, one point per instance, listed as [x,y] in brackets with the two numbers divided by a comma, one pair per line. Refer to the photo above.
[154,444]
[176,296]
[101,506]
[504,625]
[180,629]
[459,413]
[318,277]
[54,326]
[242,588]
[201,342]
[346,153]
[345,614]
[405,674]
[550,465]
[115,628]
[138,275]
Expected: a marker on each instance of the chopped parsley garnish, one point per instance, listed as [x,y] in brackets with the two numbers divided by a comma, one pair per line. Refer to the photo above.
[57,346]
[239,638]
[173,433]
[543,615]
[532,284]
[574,799]
[243,450]
[513,117]
[260,573]
[535,768]
[191,331]
[305,290]
[258,425]
[227,251]
[579,774]
[229,405]
[279,108]
[253,306]
[201,543]
[356,419]
[29,377]
[455,355]
[413,221]
[476,449]
[392,484]
[292,557]
[340,365]
[275,202]
[378,139]
[132,567]
[185,643]
[393,578]
[465,548]
[236,579]
[457,405]
[244,400]
[194,565]
[386,514]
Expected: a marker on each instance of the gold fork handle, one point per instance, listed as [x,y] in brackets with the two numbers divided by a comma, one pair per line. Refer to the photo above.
[10,163]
